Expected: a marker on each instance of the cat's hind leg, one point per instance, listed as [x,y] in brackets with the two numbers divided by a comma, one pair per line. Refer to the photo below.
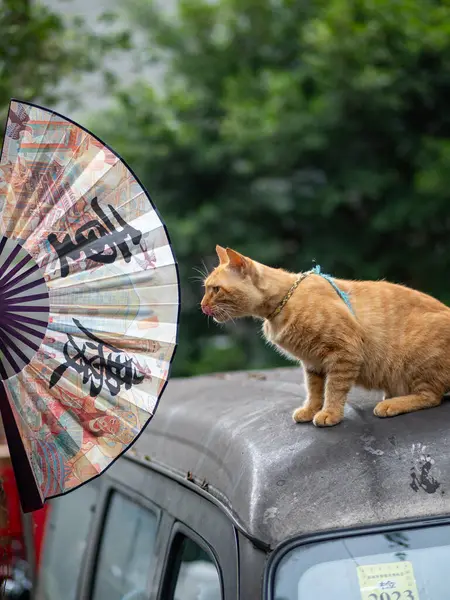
[315,385]
[390,407]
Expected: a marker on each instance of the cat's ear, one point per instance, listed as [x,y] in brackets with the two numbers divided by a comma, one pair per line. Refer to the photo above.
[239,261]
[222,254]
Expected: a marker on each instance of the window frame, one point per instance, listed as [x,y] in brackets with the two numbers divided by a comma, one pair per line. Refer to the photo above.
[180,530]
[49,537]
[176,500]
[184,504]
[87,589]
[309,539]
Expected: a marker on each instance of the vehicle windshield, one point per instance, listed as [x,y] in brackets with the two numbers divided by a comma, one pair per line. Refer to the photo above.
[403,565]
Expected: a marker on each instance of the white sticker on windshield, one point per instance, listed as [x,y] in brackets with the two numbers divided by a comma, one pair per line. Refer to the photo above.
[388,581]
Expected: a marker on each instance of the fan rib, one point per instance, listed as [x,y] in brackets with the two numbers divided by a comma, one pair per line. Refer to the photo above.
[24,288]
[9,260]
[26,299]
[13,271]
[8,356]
[21,277]
[14,308]
[15,347]
[19,336]
[2,244]
[14,323]
[3,372]
[30,320]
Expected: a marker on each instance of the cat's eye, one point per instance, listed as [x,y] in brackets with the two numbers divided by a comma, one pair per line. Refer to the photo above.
[215,289]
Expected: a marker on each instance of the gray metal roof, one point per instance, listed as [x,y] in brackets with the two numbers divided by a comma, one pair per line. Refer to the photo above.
[281,479]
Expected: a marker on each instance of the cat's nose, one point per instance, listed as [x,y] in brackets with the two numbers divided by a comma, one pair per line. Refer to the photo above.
[207,310]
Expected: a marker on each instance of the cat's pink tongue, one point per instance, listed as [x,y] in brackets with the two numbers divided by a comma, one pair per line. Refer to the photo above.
[207,310]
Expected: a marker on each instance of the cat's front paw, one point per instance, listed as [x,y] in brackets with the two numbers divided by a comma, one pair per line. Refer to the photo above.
[388,408]
[327,418]
[304,414]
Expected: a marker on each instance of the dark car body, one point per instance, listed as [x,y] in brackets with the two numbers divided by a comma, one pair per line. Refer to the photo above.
[224,496]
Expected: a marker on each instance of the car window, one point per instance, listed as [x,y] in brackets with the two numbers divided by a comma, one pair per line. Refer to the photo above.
[193,573]
[400,565]
[65,543]
[126,554]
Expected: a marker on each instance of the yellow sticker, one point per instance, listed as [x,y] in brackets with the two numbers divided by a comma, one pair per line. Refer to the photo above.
[388,581]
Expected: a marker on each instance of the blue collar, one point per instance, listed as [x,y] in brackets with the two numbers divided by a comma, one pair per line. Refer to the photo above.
[344,296]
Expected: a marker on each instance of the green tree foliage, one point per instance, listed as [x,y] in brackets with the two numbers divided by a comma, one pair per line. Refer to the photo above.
[293,130]
[38,50]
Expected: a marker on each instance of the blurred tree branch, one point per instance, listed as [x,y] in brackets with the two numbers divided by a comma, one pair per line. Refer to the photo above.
[294,130]
[38,50]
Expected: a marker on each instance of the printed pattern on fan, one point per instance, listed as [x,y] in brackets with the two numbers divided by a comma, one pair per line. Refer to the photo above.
[112,283]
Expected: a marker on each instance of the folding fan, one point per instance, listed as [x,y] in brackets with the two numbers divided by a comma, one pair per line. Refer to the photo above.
[89,303]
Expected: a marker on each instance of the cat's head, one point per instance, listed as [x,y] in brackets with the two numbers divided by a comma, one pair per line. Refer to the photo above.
[231,290]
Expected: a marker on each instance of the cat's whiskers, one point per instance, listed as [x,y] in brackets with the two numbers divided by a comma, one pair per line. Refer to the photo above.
[222,311]
[197,278]
[202,272]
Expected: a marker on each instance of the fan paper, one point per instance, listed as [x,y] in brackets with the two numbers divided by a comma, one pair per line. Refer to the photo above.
[89,303]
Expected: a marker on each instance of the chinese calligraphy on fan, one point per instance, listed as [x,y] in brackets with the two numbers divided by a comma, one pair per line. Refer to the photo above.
[99,239]
[89,360]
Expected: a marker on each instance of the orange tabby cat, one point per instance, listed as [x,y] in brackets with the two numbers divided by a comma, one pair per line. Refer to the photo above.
[390,338]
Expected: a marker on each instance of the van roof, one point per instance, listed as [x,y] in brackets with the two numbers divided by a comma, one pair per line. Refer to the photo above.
[235,436]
